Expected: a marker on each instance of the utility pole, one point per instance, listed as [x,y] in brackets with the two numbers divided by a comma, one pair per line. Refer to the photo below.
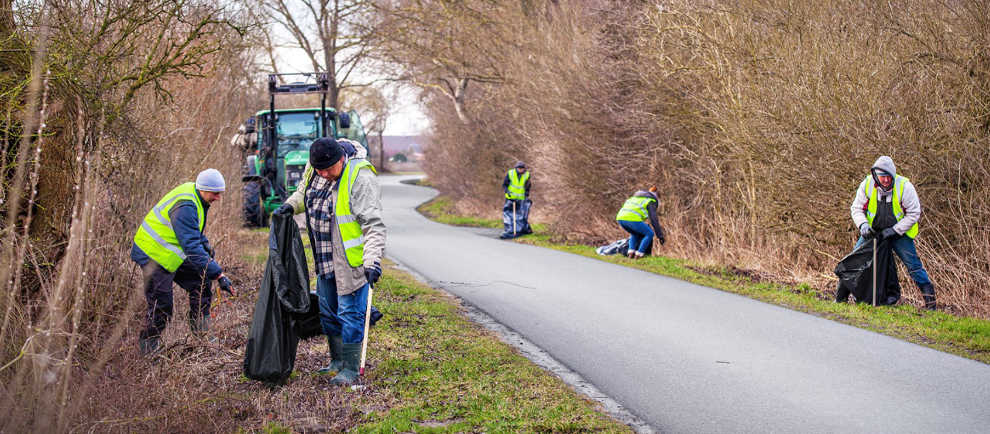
[381,148]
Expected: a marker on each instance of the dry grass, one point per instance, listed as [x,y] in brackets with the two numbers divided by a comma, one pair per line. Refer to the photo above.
[756,119]
[428,367]
[91,155]
[194,385]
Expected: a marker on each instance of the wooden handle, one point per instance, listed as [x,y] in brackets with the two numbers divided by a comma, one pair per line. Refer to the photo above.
[367,322]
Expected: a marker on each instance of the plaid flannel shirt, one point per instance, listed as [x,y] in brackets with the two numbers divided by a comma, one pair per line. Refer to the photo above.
[319,212]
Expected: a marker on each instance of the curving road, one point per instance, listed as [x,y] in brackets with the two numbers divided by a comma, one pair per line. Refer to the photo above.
[684,357]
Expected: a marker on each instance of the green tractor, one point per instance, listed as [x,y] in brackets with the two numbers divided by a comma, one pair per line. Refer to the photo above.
[284,136]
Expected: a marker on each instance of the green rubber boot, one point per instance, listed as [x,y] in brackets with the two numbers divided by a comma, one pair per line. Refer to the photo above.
[348,375]
[335,342]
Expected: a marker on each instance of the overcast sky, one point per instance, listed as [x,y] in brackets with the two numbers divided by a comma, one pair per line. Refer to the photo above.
[407,117]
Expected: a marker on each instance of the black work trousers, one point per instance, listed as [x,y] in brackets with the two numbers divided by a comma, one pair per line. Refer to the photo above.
[158,293]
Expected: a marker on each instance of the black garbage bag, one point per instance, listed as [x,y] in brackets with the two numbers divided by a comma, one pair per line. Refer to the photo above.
[270,353]
[307,325]
[855,273]
[521,216]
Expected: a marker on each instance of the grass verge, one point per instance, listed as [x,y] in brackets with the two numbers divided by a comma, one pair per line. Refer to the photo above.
[437,371]
[430,369]
[963,336]
[441,209]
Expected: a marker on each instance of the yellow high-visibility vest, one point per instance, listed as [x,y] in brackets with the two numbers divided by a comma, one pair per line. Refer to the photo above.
[517,185]
[871,209]
[156,237]
[634,210]
[347,224]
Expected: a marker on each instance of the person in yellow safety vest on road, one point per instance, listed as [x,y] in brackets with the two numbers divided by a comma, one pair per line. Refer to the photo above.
[170,246]
[343,206]
[639,208]
[887,206]
[517,204]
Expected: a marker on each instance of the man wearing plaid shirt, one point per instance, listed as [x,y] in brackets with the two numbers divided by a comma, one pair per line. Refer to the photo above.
[342,201]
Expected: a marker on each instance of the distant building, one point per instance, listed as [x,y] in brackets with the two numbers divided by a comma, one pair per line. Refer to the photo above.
[411,146]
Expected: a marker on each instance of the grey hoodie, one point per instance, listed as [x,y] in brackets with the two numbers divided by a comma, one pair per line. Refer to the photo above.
[909,198]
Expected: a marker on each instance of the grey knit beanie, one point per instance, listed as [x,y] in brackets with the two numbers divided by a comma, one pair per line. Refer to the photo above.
[210,180]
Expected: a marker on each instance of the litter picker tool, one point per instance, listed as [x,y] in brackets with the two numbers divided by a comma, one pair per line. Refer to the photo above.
[513,218]
[874,266]
[367,319]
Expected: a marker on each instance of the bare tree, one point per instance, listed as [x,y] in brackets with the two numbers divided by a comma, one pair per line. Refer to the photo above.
[6,17]
[335,35]
[85,85]
[375,106]
[445,45]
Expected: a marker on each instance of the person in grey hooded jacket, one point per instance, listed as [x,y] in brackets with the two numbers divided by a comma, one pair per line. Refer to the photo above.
[887,206]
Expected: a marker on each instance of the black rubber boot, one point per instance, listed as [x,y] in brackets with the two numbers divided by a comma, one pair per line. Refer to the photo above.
[335,342]
[352,358]
[149,345]
[928,293]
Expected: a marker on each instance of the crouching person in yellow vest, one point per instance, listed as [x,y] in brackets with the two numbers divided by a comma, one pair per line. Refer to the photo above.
[887,206]
[633,215]
[343,206]
[170,246]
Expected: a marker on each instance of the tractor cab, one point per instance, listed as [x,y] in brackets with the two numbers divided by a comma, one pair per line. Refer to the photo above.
[284,138]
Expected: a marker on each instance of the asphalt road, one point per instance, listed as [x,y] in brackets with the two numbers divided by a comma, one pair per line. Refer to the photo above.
[688,358]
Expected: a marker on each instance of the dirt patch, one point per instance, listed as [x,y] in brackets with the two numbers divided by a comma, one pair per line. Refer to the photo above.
[751,275]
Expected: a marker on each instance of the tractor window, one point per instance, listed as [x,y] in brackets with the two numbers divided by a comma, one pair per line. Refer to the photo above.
[296,131]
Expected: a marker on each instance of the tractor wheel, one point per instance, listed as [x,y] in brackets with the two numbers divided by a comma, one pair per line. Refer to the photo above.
[254,205]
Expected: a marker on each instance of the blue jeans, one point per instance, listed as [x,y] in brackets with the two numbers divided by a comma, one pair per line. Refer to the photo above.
[904,248]
[641,235]
[342,314]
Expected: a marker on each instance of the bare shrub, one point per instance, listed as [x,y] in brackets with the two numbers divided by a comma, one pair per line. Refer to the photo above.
[757,120]
[114,108]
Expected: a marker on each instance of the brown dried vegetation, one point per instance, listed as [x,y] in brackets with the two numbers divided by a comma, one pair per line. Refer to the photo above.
[106,106]
[757,120]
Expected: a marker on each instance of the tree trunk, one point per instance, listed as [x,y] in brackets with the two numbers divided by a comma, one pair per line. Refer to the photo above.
[6,18]
[381,149]
[459,101]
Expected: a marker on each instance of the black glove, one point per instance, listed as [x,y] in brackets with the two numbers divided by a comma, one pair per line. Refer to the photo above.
[889,233]
[373,273]
[226,285]
[662,239]
[285,210]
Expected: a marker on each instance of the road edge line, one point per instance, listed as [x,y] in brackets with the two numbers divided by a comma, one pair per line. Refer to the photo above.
[540,357]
